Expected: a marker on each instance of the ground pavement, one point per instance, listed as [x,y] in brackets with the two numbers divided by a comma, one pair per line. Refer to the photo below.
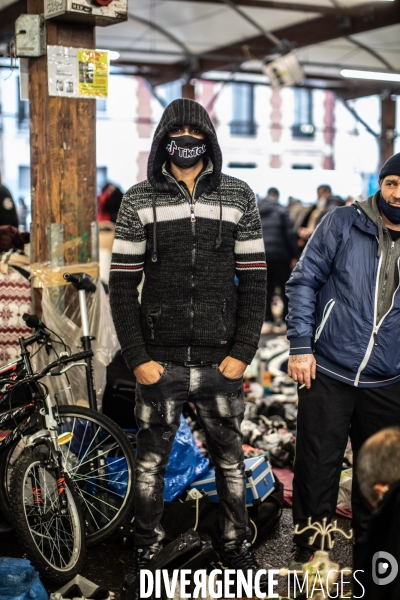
[107,563]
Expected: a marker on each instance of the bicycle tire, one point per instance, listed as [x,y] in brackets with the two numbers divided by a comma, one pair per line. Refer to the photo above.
[7,462]
[112,500]
[54,543]
[93,535]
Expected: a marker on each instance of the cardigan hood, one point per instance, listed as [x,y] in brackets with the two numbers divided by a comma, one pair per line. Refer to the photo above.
[183,112]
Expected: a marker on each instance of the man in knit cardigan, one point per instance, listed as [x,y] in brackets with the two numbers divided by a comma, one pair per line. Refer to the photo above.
[190,230]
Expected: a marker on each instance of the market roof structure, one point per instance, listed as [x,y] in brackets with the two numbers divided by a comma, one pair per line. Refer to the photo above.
[166,40]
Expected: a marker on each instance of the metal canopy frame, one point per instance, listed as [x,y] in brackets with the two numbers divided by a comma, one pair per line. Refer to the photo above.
[324,25]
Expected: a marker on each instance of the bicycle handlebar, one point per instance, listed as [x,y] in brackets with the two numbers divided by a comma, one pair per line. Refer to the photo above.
[80,281]
[33,321]
[64,360]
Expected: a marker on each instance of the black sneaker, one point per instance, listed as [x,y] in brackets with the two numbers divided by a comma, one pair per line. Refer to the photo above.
[141,558]
[300,556]
[242,559]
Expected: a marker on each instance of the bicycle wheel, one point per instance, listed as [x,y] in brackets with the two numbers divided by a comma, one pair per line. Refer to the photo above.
[99,460]
[54,542]
[7,462]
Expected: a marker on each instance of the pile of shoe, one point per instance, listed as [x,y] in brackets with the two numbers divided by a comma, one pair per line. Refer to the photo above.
[284,388]
[269,434]
[276,349]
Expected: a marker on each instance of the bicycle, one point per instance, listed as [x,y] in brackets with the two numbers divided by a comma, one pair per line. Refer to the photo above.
[96,454]
[44,504]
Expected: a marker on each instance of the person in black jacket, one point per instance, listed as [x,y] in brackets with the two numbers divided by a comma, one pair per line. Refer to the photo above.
[190,229]
[8,211]
[281,250]
[377,562]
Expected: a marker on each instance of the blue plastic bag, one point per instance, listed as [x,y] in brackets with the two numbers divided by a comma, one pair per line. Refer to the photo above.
[117,475]
[186,463]
[20,581]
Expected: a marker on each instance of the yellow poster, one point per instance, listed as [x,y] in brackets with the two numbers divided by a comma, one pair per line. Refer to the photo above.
[92,73]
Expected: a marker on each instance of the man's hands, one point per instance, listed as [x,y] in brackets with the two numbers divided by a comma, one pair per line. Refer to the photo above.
[232,367]
[302,368]
[148,372]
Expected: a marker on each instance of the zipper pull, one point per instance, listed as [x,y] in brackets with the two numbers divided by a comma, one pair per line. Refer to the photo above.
[192,217]
[375,338]
[151,325]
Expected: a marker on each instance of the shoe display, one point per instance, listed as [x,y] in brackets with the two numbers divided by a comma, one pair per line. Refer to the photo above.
[242,558]
[300,556]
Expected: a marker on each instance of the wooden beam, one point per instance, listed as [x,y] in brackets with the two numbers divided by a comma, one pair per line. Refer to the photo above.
[155,73]
[292,6]
[306,33]
[63,146]
[159,73]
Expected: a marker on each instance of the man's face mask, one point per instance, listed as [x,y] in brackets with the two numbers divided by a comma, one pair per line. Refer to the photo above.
[185,151]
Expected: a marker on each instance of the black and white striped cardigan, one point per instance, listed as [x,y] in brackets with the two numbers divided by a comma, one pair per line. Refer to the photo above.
[192,308]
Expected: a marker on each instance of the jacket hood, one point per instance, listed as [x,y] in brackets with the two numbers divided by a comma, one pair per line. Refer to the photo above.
[265,206]
[370,208]
[183,112]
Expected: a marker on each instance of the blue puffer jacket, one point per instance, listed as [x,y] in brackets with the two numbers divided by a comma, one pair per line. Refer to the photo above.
[332,303]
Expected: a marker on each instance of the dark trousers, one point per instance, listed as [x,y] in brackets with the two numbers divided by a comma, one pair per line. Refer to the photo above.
[219,404]
[329,412]
[278,274]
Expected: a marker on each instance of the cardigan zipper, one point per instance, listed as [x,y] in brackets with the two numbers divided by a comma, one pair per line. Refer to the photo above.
[193,257]
[374,337]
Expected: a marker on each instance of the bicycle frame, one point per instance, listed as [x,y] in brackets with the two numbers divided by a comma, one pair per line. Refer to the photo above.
[86,340]
[21,417]
[35,420]
[40,406]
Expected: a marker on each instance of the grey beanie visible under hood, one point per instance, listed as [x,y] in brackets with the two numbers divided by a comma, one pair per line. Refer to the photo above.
[183,112]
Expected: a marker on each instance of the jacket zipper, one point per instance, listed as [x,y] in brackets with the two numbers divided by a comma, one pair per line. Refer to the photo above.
[374,335]
[224,341]
[193,228]
[151,325]
[325,316]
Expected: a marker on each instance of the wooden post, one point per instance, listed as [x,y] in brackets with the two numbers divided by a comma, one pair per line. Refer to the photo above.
[188,91]
[388,124]
[63,151]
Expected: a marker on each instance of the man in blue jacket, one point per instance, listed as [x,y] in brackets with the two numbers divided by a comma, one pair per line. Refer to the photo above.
[344,332]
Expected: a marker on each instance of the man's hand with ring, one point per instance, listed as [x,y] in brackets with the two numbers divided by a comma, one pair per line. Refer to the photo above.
[302,368]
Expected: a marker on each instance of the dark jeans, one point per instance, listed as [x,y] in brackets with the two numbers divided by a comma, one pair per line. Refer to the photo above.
[220,406]
[278,274]
[329,412]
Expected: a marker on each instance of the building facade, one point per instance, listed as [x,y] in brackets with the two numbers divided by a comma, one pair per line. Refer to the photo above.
[293,139]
